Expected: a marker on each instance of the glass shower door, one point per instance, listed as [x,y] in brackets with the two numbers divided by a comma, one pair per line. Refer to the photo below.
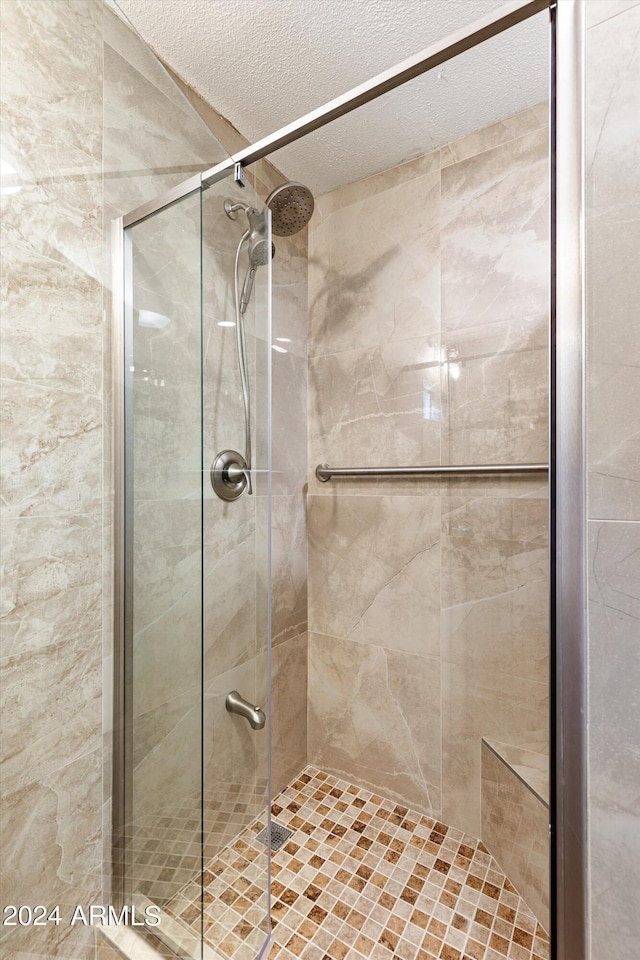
[236,570]
[163,570]
[196,577]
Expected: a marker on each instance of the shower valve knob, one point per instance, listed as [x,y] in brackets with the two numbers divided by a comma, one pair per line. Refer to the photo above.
[230,475]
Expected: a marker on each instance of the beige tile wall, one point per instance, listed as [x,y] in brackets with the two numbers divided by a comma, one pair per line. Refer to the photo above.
[52,468]
[515,828]
[613,461]
[93,126]
[428,313]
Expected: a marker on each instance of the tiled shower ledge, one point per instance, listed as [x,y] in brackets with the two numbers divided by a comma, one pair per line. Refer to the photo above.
[364,877]
[531,768]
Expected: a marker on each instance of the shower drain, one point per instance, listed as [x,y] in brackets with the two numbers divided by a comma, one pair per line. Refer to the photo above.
[277,834]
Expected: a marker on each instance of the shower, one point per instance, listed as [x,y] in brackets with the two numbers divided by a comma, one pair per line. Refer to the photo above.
[291,205]
[333,694]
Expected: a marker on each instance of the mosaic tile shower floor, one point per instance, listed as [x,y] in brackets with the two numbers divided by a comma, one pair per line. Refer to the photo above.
[362,877]
[165,848]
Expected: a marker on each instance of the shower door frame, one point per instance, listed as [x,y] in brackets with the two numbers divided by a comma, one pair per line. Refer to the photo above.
[567,416]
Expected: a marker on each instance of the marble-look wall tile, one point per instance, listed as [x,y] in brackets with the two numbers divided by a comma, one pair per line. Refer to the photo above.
[464,379]
[515,830]
[153,135]
[610,132]
[497,407]
[49,336]
[363,190]
[290,292]
[613,735]
[380,405]
[166,554]
[613,881]
[288,711]
[613,461]
[613,291]
[161,667]
[613,285]
[374,713]
[531,767]
[614,602]
[52,89]
[374,269]
[166,538]
[230,609]
[488,138]
[478,702]
[289,422]
[169,775]
[54,693]
[288,567]
[495,296]
[495,585]
[30,235]
[614,454]
[52,428]
[51,582]
[51,853]
[495,236]
[230,598]
[158,722]
[52,451]
[599,10]
[122,114]
[374,571]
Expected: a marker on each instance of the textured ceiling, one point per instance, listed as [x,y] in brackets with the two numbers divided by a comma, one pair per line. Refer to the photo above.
[263,63]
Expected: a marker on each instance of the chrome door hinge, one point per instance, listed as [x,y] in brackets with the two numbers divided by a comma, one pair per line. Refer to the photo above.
[239,175]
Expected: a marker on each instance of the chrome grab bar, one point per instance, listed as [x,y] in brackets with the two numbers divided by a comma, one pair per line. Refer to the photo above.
[324,472]
[237,704]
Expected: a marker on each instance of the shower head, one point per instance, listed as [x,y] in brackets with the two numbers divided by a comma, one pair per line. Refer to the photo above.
[291,206]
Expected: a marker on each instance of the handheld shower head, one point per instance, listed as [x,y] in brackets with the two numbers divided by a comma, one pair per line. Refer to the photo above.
[260,251]
[259,248]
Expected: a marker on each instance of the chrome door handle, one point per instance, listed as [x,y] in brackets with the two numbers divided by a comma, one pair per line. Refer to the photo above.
[237,704]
